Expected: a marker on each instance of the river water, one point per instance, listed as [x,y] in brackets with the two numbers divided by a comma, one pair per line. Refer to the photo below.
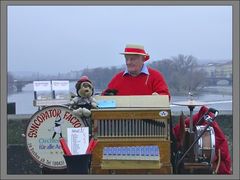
[220,101]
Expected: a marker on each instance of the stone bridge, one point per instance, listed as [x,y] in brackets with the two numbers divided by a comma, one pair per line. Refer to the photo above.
[214,80]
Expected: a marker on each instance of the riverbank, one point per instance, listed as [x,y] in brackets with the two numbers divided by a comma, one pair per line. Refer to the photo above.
[20,161]
[217,89]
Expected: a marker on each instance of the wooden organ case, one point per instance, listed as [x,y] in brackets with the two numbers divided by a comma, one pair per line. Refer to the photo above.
[133,137]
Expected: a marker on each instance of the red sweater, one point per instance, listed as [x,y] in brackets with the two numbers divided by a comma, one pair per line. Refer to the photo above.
[142,84]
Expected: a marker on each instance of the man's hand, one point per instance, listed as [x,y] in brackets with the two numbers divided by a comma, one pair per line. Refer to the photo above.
[111,92]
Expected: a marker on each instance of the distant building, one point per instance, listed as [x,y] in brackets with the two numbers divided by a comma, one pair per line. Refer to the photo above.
[217,69]
[224,70]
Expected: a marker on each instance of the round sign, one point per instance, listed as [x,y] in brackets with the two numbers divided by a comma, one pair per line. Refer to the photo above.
[43,132]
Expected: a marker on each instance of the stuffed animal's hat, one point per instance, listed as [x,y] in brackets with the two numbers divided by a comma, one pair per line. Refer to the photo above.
[84,79]
[135,49]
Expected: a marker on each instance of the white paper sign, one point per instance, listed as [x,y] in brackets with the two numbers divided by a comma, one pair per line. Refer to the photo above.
[60,85]
[42,85]
[78,140]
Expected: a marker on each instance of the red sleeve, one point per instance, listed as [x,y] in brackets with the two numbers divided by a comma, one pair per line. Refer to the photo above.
[222,144]
[159,85]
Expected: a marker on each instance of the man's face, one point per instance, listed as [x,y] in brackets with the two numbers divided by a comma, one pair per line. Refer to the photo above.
[134,63]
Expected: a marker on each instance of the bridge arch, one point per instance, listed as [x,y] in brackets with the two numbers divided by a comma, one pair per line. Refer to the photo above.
[213,81]
[20,84]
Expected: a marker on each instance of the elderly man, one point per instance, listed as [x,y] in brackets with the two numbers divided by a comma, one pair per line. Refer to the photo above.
[137,79]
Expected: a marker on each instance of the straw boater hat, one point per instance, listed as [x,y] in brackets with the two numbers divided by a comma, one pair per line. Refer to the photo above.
[135,49]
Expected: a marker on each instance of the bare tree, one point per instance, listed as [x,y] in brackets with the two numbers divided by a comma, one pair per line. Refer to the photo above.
[188,77]
[181,73]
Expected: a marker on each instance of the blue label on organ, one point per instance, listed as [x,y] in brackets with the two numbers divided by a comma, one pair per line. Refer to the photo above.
[124,151]
[119,151]
[133,151]
[110,150]
[147,150]
[114,151]
[128,150]
[142,151]
[105,150]
[152,151]
[156,151]
[138,150]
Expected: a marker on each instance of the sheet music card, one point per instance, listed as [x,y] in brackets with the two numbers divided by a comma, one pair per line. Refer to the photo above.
[78,140]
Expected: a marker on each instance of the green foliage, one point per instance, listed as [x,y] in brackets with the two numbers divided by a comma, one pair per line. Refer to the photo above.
[15,130]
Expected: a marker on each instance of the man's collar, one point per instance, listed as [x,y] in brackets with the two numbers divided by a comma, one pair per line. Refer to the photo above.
[143,70]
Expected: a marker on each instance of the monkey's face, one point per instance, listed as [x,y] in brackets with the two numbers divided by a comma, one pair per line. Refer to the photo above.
[86,89]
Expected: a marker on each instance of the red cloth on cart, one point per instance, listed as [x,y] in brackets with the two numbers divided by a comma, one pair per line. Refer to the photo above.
[220,140]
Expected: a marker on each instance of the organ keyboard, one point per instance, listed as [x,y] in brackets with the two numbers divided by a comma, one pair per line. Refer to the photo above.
[133,136]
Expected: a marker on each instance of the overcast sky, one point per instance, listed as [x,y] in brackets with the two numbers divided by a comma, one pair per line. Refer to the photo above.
[52,39]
